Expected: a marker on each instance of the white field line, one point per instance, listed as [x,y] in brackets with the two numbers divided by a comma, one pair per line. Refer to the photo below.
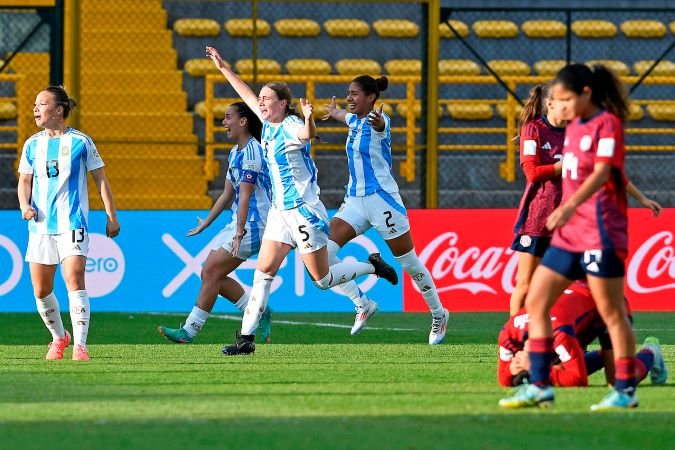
[291,322]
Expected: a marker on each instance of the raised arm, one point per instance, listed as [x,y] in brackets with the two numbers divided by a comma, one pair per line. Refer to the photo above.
[333,112]
[237,84]
[309,130]
[112,227]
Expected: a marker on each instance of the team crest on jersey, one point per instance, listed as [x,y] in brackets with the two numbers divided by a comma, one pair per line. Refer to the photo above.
[585,143]
[65,150]
[525,241]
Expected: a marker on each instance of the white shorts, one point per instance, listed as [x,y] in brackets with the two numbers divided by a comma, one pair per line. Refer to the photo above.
[51,249]
[304,227]
[383,211]
[250,243]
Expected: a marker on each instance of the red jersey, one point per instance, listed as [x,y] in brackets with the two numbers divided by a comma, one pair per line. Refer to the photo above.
[576,323]
[601,222]
[541,146]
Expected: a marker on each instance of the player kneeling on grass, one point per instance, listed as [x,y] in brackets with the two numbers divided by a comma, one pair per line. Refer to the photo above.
[576,323]
[247,188]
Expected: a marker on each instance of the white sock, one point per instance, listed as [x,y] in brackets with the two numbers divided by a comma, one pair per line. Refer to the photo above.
[423,280]
[48,308]
[242,302]
[257,302]
[349,289]
[344,272]
[79,316]
[195,321]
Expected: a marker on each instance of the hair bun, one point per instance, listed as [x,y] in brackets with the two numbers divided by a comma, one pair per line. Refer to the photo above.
[382,83]
[72,102]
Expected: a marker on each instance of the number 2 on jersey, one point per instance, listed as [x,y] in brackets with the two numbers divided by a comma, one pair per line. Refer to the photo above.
[387,221]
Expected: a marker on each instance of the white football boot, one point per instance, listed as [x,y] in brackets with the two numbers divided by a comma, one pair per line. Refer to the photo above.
[438,326]
[363,313]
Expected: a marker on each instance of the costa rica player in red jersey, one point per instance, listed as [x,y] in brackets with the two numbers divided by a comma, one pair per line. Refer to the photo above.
[590,236]
[576,323]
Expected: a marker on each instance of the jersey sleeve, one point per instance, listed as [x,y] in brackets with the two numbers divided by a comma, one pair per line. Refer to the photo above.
[292,128]
[610,142]
[93,159]
[251,164]
[572,368]
[27,159]
[350,120]
[507,349]
[529,155]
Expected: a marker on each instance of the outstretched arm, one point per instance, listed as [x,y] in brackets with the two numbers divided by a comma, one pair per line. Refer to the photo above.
[218,207]
[242,88]
[332,111]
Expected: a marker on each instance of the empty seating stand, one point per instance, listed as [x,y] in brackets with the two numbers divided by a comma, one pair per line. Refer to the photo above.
[297,27]
[358,67]
[495,29]
[644,29]
[200,67]
[549,66]
[618,67]
[263,66]
[455,67]
[196,27]
[460,27]
[468,111]
[396,28]
[244,27]
[593,29]
[308,67]
[509,67]
[349,28]
[662,69]
[544,29]
[403,67]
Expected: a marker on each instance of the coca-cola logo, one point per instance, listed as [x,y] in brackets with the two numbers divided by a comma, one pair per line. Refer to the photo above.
[652,267]
[472,269]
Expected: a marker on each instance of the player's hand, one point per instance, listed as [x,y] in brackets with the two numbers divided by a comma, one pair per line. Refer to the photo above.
[307,108]
[236,243]
[520,362]
[651,204]
[375,118]
[28,212]
[112,227]
[559,217]
[215,57]
[198,229]
[329,109]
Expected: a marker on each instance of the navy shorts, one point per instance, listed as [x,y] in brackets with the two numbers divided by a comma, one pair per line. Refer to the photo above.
[575,266]
[534,245]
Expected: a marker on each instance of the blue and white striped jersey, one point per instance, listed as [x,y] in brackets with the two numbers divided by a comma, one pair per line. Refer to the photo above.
[247,166]
[59,166]
[292,170]
[369,157]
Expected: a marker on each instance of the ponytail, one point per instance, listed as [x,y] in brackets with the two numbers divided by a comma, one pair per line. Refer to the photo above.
[253,123]
[535,106]
[61,98]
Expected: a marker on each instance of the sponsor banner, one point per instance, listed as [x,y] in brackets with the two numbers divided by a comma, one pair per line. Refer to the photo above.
[153,266]
[468,254]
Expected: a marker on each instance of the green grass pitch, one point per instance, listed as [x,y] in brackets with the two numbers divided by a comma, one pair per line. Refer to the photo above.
[314,387]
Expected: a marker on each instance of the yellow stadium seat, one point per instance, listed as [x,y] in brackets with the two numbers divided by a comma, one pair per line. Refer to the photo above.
[308,67]
[244,27]
[297,27]
[547,29]
[7,111]
[664,112]
[662,69]
[549,66]
[643,29]
[593,29]
[346,28]
[196,27]
[618,67]
[464,111]
[454,67]
[459,26]
[219,110]
[403,67]
[635,112]
[501,110]
[396,28]
[672,27]
[495,29]
[509,67]
[266,66]
[402,110]
[199,67]
[358,67]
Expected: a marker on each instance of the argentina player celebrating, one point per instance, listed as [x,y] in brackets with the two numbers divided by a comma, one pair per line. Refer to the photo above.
[372,200]
[53,199]
[297,218]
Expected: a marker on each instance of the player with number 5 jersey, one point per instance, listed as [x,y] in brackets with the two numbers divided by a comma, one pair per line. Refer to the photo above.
[54,200]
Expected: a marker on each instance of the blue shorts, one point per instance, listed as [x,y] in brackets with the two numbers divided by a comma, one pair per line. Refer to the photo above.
[575,266]
[534,245]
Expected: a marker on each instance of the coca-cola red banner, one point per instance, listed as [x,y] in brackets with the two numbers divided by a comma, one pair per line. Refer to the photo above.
[468,254]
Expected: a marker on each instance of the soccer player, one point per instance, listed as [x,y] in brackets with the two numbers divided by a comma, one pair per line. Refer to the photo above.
[576,322]
[297,218]
[372,200]
[248,189]
[590,238]
[53,198]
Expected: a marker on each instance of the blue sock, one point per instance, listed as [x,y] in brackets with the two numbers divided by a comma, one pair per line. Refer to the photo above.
[594,361]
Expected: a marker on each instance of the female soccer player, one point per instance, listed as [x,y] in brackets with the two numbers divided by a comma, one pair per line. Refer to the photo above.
[372,200]
[590,236]
[54,200]
[297,217]
[248,189]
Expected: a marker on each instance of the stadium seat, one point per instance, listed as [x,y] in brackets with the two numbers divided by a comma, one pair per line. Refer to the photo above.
[549,66]
[403,67]
[396,28]
[308,67]
[594,29]
[7,111]
[509,67]
[402,110]
[464,111]
[501,110]
[454,67]
[219,110]
[461,28]
[544,29]
[244,27]
[346,28]
[264,66]
[662,69]
[672,27]
[495,29]
[618,67]
[358,67]
[297,27]
[643,29]
[663,112]
[196,27]
[199,67]
[635,112]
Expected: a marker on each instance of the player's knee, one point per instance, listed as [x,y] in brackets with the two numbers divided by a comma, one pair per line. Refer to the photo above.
[333,248]
[74,281]
[42,291]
